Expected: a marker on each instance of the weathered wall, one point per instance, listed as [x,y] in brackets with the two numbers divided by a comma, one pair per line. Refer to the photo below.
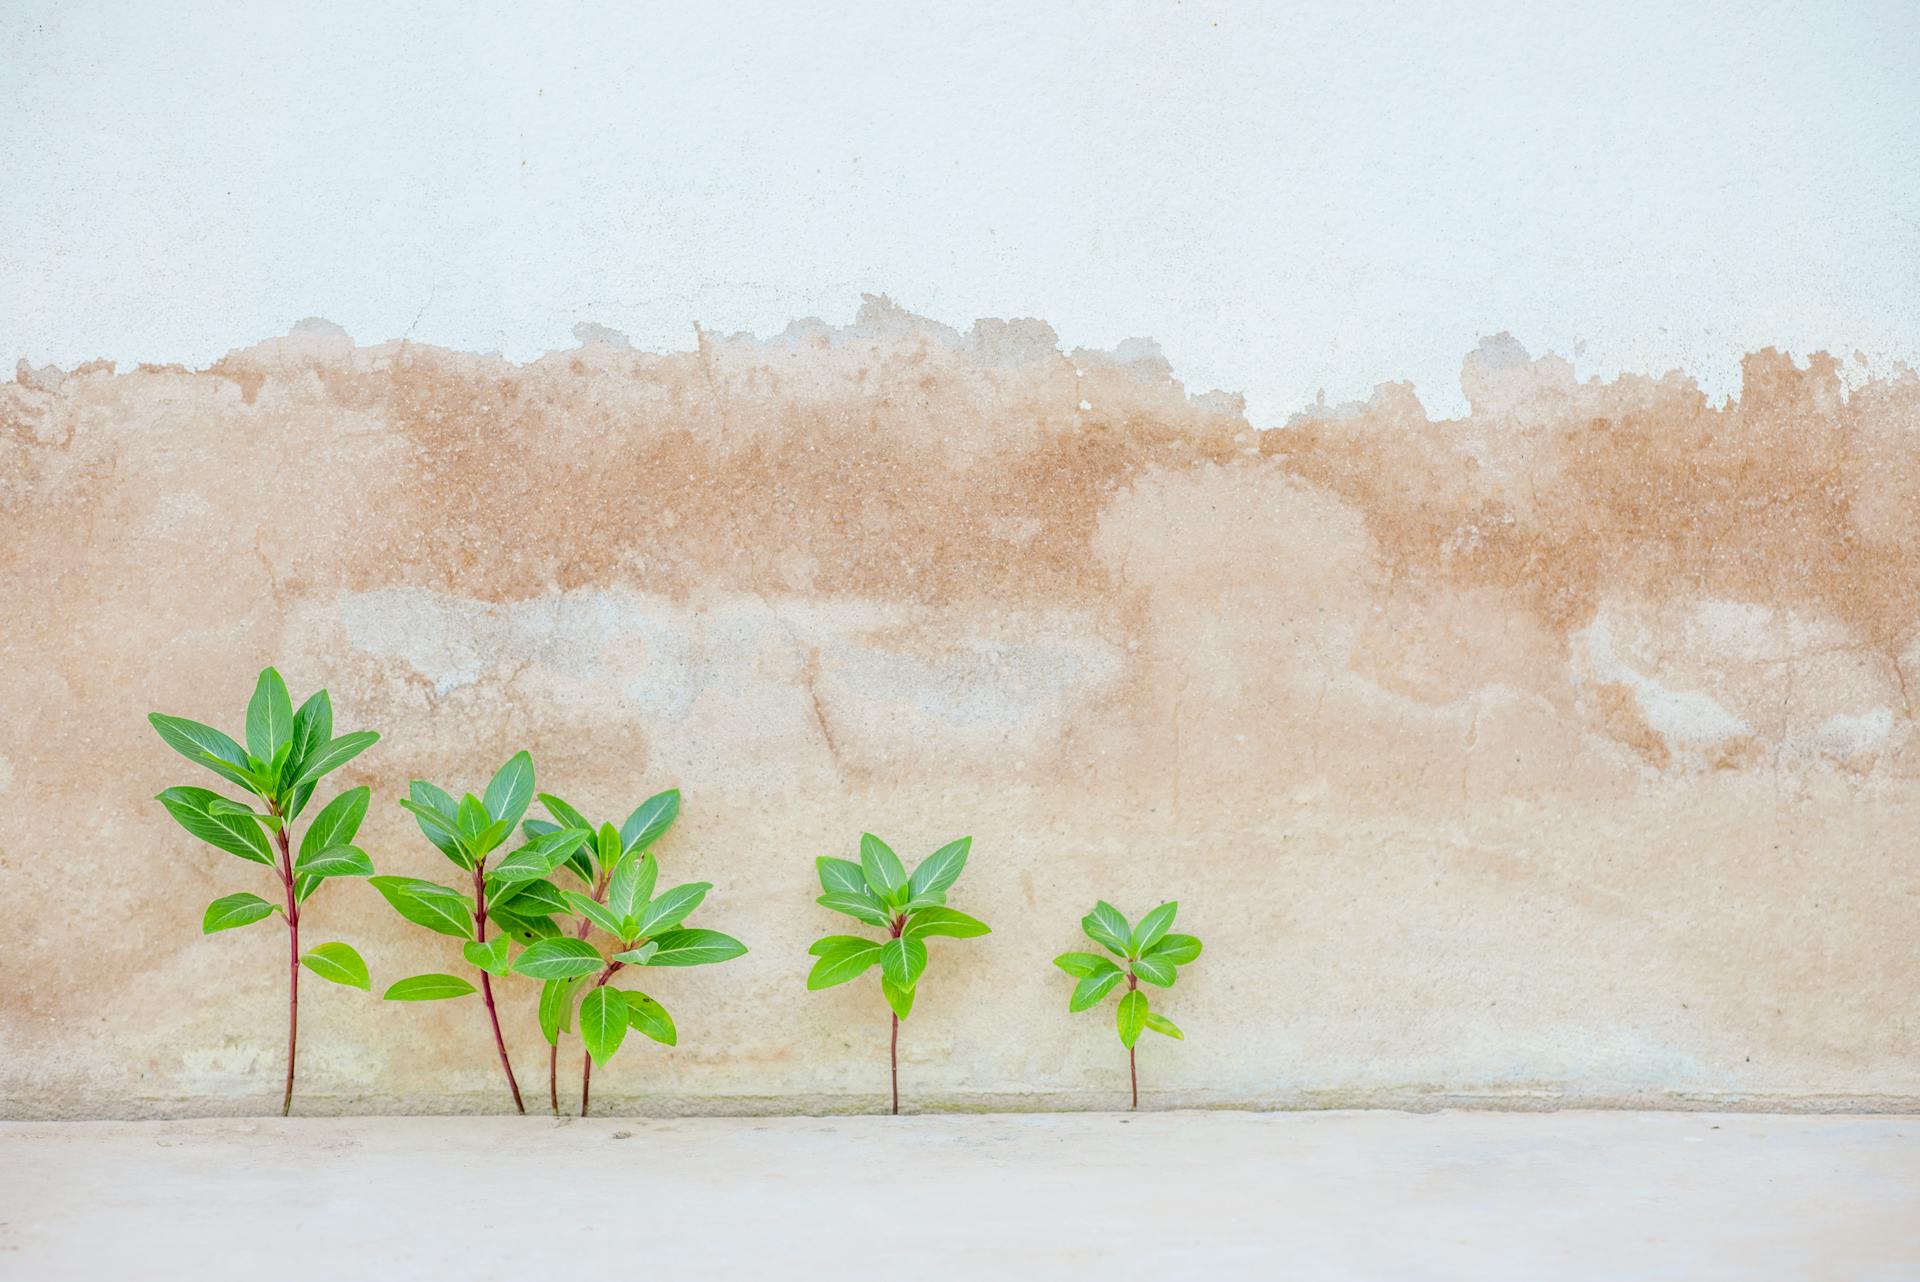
[1560,754]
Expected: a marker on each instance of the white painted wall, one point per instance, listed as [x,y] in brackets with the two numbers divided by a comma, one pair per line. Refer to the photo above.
[1289,197]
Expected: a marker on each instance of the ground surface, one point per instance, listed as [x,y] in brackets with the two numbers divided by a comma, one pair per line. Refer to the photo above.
[1567,1196]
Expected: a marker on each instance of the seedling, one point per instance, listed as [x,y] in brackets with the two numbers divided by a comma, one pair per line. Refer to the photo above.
[649,821]
[287,754]
[646,930]
[1150,953]
[878,891]
[513,895]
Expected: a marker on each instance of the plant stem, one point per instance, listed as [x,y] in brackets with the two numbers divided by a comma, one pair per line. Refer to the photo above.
[585,928]
[1133,1069]
[893,1051]
[486,984]
[586,1058]
[553,1075]
[293,960]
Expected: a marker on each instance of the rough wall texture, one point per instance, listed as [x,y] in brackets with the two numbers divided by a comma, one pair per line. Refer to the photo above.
[1564,753]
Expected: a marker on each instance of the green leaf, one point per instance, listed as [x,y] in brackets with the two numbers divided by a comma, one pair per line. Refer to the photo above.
[671,908]
[471,821]
[429,904]
[928,922]
[1131,1016]
[1152,928]
[269,716]
[204,746]
[538,857]
[594,912]
[334,861]
[843,876]
[428,988]
[638,956]
[838,965]
[860,906]
[312,726]
[631,885]
[339,964]
[881,867]
[903,960]
[607,847]
[931,899]
[1084,965]
[556,1007]
[333,754]
[230,911]
[511,790]
[901,999]
[828,944]
[436,823]
[337,822]
[532,899]
[939,870]
[649,820]
[490,956]
[603,1023]
[528,930]
[562,811]
[1165,1027]
[1178,949]
[236,836]
[561,958]
[695,948]
[1106,927]
[303,887]
[650,1018]
[1091,989]
[1155,970]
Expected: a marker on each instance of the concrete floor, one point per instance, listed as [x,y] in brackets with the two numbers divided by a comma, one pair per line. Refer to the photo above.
[1170,1196]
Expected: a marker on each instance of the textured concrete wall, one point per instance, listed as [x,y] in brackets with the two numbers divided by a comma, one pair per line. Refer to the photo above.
[1561,753]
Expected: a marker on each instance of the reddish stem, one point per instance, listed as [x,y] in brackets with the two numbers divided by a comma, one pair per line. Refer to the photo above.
[893,1044]
[1133,1069]
[293,959]
[581,931]
[486,984]
[586,1064]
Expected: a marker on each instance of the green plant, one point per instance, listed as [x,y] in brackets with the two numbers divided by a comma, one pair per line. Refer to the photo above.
[1149,953]
[648,822]
[646,929]
[911,909]
[513,895]
[287,754]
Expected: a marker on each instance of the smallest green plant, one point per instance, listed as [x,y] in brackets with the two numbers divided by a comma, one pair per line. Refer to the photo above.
[1147,951]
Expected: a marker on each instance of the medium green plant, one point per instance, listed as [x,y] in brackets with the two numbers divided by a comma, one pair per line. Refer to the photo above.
[645,929]
[911,909]
[513,895]
[1149,953]
[286,756]
[646,825]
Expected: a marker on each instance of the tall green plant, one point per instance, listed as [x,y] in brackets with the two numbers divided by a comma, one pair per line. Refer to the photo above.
[644,929]
[286,756]
[911,909]
[513,894]
[646,825]
[1148,952]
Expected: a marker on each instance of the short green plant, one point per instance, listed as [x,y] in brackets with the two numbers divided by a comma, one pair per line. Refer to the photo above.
[1148,952]
[646,825]
[911,909]
[513,895]
[643,929]
[288,752]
